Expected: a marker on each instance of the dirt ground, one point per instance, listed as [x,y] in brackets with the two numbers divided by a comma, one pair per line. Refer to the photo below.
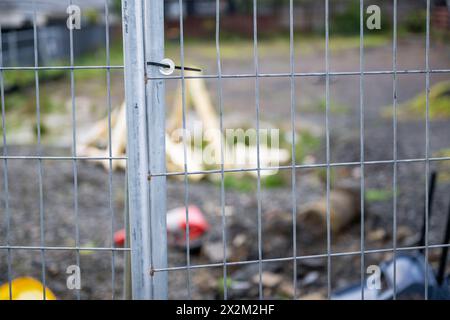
[100,212]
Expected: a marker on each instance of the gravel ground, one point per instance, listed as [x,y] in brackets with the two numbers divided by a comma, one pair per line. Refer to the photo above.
[100,211]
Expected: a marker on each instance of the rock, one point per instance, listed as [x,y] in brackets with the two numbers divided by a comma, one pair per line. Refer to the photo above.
[286,289]
[377,235]
[268,279]
[313,296]
[214,251]
[239,240]
[204,280]
[403,233]
[240,246]
[313,263]
[310,278]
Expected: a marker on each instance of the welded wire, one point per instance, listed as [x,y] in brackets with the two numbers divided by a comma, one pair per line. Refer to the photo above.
[74,152]
[39,151]
[258,171]
[302,257]
[327,142]
[395,149]
[294,143]
[293,166]
[5,171]
[427,143]
[222,151]
[361,144]
[110,147]
[186,184]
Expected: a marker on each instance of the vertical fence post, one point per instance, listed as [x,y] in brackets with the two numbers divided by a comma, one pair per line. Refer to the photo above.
[145,150]
[154,51]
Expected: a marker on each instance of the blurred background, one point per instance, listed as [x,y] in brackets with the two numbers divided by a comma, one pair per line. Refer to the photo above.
[96,213]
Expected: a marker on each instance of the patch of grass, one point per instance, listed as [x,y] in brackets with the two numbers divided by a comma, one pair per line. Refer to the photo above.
[236,48]
[273,181]
[439,104]
[247,183]
[321,106]
[444,166]
[25,102]
[19,79]
[221,284]
[443,153]
[16,102]
[342,43]
[377,195]
[306,144]
[239,182]
[99,58]
[415,22]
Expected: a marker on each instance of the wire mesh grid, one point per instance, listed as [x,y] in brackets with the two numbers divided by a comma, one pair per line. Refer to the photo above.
[140,16]
[37,159]
[328,165]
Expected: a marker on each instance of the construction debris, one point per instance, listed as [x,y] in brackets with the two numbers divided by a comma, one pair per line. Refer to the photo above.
[177,226]
[377,235]
[343,208]
[179,147]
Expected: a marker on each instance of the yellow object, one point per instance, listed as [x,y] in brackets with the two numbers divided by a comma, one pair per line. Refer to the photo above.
[25,288]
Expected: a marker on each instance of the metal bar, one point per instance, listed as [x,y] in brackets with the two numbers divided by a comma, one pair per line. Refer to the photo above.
[138,196]
[427,142]
[110,162]
[10,247]
[395,149]
[306,74]
[323,255]
[186,184]
[39,151]
[63,158]
[222,152]
[258,192]
[362,137]
[242,75]
[299,258]
[74,151]
[294,144]
[127,291]
[327,137]
[5,168]
[155,95]
[59,68]
[301,166]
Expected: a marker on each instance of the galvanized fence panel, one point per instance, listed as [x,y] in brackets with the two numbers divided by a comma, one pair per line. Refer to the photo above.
[328,165]
[40,37]
[143,33]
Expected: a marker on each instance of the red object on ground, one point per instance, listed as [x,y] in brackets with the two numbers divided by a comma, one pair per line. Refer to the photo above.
[176,224]
[119,237]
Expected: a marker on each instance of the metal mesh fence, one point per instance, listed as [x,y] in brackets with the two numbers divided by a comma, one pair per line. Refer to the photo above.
[143,29]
